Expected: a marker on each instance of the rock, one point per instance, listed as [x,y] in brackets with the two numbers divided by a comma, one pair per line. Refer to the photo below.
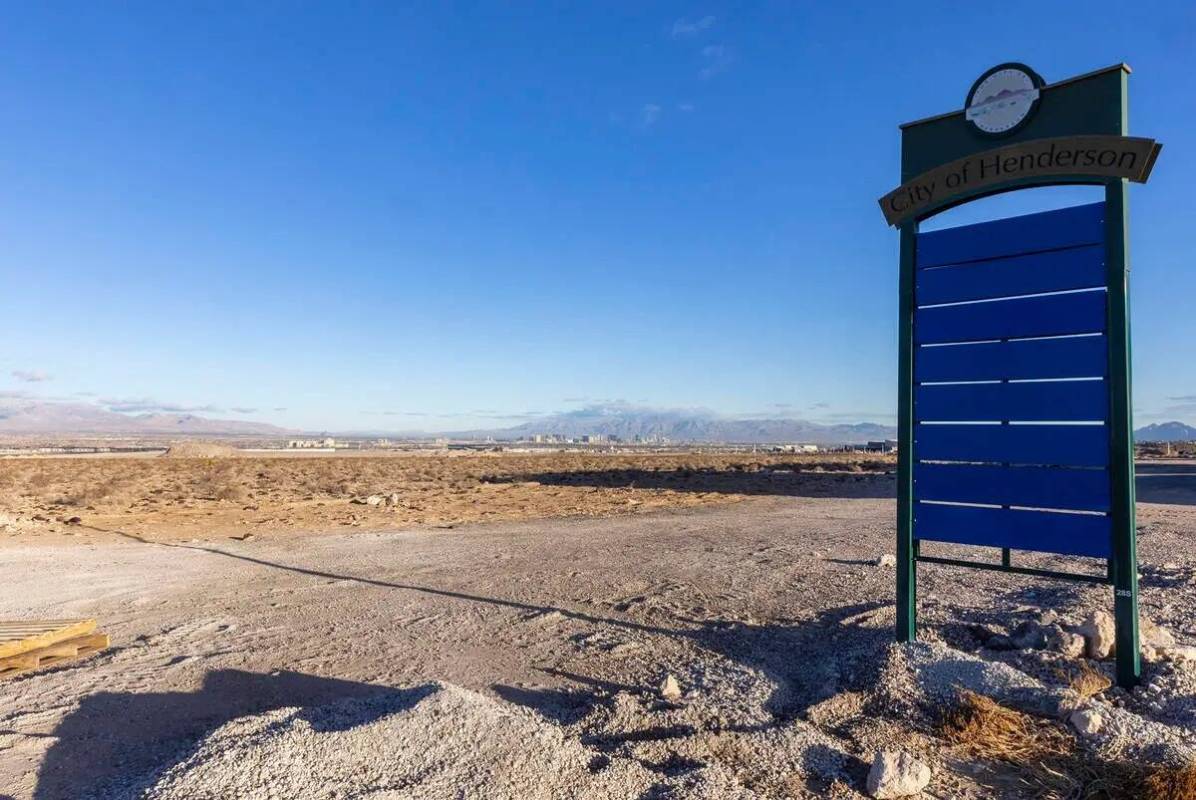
[1048,617]
[1179,653]
[1155,640]
[1000,642]
[670,689]
[1152,635]
[982,633]
[75,521]
[1064,642]
[1029,636]
[1099,634]
[1086,720]
[896,774]
[375,500]
[887,560]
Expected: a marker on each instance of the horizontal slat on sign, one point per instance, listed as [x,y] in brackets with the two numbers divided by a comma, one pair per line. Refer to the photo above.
[1053,271]
[1037,487]
[1062,445]
[1061,401]
[1041,531]
[1023,359]
[1048,230]
[1049,315]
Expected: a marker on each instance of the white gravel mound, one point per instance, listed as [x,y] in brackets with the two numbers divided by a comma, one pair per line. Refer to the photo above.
[435,741]
[940,672]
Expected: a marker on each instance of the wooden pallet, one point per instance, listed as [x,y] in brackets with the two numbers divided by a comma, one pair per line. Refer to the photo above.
[30,644]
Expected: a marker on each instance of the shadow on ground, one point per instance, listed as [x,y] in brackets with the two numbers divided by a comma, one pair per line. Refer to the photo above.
[1156,483]
[119,743]
[772,481]
[114,738]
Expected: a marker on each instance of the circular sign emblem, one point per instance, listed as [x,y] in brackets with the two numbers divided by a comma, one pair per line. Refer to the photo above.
[1002,100]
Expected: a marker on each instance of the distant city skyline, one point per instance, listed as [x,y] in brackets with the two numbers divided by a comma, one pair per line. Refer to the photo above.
[413,219]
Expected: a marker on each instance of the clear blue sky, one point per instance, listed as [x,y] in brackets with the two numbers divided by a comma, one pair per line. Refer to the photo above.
[445,215]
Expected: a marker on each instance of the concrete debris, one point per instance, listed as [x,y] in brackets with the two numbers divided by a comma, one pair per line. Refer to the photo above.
[1064,642]
[1155,640]
[1029,636]
[1179,653]
[1086,720]
[896,774]
[1099,634]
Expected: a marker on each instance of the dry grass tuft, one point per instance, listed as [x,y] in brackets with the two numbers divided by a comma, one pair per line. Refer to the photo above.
[1047,758]
[986,728]
[1170,783]
[1087,681]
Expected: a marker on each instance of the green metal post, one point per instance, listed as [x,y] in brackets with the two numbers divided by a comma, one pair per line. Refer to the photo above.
[1121,436]
[907,607]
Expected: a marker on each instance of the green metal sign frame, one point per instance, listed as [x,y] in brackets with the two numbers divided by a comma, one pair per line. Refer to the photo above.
[1083,108]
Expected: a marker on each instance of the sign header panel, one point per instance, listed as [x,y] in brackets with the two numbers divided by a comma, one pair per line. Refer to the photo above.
[1063,157]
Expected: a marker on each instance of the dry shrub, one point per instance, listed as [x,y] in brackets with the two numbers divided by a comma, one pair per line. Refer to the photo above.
[1103,780]
[1086,681]
[1170,783]
[231,493]
[988,729]
[1048,759]
[39,480]
[94,494]
[220,480]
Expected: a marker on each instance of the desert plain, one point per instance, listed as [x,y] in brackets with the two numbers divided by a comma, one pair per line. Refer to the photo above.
[580,625]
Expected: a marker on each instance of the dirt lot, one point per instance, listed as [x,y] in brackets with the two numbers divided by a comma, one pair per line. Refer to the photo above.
[183,498]
[527,657]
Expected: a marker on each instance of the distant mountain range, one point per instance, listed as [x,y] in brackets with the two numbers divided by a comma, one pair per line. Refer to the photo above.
[39,416]
[1166,432]
[35,416]
[628,422]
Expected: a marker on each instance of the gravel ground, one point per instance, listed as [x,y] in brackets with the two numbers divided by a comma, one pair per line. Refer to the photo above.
[527,659]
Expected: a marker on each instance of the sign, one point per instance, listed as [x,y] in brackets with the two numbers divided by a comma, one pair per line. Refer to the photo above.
[1126,157]
[1014,404]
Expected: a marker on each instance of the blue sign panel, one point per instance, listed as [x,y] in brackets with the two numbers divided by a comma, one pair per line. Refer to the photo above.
[1011,402]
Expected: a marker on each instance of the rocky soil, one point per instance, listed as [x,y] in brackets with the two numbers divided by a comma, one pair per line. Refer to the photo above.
[727,651]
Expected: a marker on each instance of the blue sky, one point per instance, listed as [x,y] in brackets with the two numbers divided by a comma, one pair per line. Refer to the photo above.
[449,215]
